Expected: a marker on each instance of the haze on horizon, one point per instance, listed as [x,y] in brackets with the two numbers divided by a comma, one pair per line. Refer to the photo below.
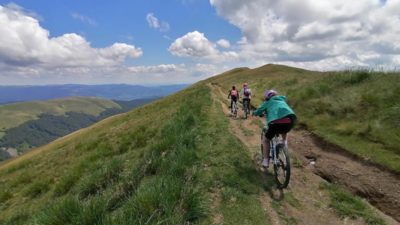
[183,41]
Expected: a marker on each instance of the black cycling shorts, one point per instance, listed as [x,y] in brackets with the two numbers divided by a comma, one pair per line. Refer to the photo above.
[279,128]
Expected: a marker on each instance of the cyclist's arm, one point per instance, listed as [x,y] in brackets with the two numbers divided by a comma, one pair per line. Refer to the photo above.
[229,94]
[260,110]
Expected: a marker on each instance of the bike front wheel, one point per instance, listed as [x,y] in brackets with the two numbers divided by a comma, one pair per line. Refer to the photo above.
[282,166]
[235,110]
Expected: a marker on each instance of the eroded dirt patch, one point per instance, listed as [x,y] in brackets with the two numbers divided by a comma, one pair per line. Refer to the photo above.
[381,188]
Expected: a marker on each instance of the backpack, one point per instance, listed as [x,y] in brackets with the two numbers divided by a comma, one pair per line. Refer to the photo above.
[246,92]
[234,93]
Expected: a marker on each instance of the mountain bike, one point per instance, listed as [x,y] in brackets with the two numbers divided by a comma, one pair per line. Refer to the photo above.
[280,159]
[246,108]
[234,109]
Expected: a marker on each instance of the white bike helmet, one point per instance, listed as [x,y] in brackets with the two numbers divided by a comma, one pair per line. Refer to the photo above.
[269,93]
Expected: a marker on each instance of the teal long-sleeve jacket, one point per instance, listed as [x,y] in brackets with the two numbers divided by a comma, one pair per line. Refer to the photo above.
[275,108]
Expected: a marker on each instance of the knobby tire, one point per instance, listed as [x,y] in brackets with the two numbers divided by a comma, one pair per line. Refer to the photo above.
[283,166]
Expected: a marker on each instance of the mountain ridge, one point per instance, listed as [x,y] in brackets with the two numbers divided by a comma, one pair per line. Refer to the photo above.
[182,160]
[25,125]
[108,91]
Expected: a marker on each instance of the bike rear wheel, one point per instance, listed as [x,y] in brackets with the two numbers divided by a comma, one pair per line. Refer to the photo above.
[282,166]
[246,111]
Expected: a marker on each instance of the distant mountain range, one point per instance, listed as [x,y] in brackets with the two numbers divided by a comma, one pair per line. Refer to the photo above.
[10,94]
[26,125]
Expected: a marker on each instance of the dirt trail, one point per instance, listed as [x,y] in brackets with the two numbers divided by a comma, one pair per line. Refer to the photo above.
[381,188]
[304,202]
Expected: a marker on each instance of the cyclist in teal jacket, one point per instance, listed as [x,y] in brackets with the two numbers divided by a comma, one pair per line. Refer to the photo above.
[280,119]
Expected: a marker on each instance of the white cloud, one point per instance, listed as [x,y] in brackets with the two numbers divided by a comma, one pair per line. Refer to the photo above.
[25,44]
[152,20]
[150,75]
[30,55]
[22,10]
[155,23]
[84,19]
[192,44]
[323,33]
[166,37]
[162,68]
[224,43]
[195,44]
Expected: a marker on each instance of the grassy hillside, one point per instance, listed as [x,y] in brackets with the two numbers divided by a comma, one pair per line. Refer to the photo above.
[357,110]
[173,161]
[16,114]
[47,121]
[168,162]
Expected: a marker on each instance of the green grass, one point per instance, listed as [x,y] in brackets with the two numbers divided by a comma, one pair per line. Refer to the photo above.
[106,175]
[258,123]
[18,113]
[245,131]
[356,110]
[165,162]
[296,162]
[287,220]
[292,200]
[158,164]
[38,187]
[71,211]
[348,205]
[68,180]
[5,195]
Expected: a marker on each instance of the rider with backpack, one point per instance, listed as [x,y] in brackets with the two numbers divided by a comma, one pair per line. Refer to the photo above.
[280,119]
[246,93]
[233,95]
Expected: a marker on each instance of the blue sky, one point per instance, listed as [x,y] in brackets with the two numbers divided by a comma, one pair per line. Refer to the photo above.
[125,21]
[183,41]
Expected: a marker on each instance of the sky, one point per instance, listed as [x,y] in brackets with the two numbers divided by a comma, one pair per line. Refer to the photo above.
[155,42]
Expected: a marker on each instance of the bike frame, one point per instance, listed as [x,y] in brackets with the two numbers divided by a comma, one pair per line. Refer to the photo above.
[272,150]
[234,107]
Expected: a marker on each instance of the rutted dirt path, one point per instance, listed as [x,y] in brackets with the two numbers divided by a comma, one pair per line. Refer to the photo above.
[304,202]
[379,187]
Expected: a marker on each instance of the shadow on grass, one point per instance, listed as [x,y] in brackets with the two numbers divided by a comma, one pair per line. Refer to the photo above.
[267,180]
[254,179]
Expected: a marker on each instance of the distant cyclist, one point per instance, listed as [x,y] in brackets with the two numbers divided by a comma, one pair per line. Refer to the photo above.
[246,93]
[233,95]
[280,119]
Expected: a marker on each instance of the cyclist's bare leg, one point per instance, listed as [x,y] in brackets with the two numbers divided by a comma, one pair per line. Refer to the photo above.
[265,147]
[284,136]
